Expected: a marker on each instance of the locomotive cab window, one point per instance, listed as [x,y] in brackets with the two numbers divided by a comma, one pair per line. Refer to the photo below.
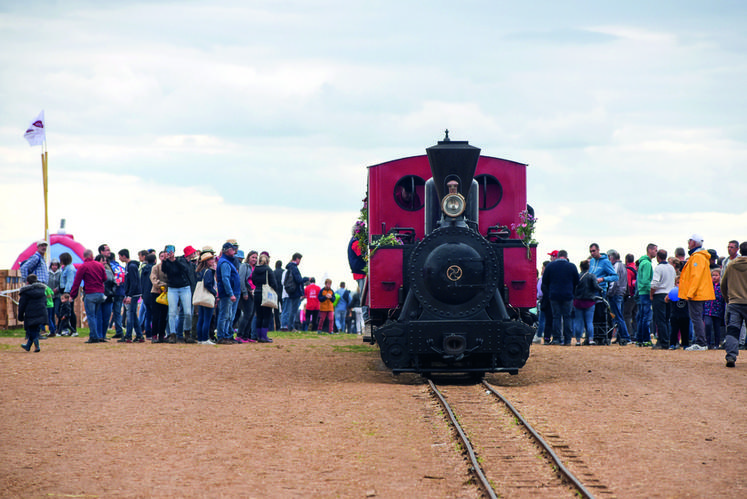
[491,191]
[409,193]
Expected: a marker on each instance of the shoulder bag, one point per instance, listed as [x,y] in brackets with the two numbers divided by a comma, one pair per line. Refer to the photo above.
[269,295]
[203,297]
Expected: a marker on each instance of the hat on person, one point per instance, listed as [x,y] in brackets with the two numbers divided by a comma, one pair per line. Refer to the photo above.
[227,245]
[208,249]
[697,238]
[233,243]
[553,253]
[189,251]
[41,242]
[264,253]
[206,255]
[240,253]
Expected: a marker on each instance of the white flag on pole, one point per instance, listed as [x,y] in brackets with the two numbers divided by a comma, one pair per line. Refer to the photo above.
[35,134]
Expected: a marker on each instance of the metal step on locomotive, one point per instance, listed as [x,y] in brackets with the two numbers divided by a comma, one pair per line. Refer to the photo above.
[449,299]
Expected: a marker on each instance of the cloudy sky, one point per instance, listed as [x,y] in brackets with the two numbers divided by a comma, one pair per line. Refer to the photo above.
[189,122]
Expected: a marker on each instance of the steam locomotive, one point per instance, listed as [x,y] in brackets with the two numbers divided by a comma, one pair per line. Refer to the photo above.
[448,299]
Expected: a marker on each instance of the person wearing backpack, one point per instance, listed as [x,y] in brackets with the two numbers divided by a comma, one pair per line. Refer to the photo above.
[341,307]
[293,288]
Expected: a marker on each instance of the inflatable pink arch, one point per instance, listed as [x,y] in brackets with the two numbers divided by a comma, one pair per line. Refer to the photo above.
[60,243]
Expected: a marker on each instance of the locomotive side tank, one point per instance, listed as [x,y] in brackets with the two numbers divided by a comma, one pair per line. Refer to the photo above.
[450,314]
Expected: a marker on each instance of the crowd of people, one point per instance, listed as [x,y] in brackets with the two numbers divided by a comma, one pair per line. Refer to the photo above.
[695,300]
[692,300]
[201,296]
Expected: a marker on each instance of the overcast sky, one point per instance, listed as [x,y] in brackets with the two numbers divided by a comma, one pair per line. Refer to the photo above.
[190,122]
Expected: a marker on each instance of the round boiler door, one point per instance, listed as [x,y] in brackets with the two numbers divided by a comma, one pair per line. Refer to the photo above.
[453,273]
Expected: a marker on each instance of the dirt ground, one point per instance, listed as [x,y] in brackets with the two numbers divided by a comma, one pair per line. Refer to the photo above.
[321,417]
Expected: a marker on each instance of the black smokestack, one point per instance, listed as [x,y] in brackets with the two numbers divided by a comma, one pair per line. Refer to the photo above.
[453,160]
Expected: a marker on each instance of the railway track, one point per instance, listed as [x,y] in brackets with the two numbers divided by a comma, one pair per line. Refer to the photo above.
[507,456]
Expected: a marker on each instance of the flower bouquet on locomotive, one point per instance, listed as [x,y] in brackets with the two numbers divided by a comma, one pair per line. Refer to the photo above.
[449,275]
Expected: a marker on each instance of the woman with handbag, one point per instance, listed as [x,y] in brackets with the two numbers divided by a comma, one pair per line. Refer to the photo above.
[264,279]
[204,290]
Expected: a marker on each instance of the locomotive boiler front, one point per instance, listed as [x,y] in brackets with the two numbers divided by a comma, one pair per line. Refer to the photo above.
[453,318]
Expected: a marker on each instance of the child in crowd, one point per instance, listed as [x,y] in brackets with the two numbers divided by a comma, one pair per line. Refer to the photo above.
[714,312]
[32,310]
[49,293]
[65,312]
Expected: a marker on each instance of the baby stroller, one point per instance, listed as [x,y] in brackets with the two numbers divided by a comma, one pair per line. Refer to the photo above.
[603,323]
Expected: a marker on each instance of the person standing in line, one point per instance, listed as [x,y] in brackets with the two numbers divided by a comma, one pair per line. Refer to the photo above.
[643,283]
[630,303]
[206,274]
[263,274]
[734,289]
[601,267]
[293,286]
[246,270]
[559,281]
[54,284]
[696,286]
[66,284]
[180,292]
[146,319]
[326,306]
[311,315]
[36,264]
[278,279]
[584,300]
[341,307]
[32,310]
[132,293]
[615,296]
[662,283]
[229,292]
[92,275]
[713,312]
[679,319]
[159,284]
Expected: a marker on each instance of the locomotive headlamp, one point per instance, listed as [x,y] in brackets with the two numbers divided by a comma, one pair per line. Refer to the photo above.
[453,204]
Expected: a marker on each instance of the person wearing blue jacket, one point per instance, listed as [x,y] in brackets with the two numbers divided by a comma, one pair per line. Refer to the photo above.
[602,268]
[229,290]
[558,283]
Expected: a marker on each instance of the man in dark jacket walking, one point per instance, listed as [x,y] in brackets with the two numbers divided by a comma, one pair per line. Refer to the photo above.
[558,283]
[32,310]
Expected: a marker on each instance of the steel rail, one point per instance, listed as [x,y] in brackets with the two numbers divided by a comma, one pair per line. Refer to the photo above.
[556,459]
[467,445]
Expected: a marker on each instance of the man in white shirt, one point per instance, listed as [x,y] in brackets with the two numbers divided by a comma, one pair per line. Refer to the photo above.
[662,283]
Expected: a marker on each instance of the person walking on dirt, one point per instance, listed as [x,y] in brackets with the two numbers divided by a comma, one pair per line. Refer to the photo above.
[734,289]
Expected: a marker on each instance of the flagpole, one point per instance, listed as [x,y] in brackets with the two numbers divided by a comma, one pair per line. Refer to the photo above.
[48,254]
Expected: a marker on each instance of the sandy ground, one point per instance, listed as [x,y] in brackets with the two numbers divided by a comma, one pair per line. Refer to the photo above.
[321,417]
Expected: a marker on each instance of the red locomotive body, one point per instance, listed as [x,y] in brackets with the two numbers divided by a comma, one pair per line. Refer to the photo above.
[396,200]
[448,275]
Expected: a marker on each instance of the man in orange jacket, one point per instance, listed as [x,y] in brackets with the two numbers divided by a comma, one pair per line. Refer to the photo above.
[696,286]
